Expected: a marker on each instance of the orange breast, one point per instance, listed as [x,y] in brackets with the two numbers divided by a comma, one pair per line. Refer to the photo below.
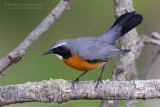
[77,63]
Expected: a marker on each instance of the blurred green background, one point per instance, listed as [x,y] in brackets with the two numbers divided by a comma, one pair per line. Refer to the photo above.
[85,18]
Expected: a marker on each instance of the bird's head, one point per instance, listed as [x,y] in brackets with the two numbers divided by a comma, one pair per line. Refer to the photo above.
[60,48]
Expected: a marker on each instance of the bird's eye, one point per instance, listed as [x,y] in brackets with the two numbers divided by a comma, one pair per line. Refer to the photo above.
[60,47]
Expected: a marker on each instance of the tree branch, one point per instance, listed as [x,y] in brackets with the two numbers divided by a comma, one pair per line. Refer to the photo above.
[21,49]
[124,66]
[151,61]
[153,40]
[130,103]
[60,91]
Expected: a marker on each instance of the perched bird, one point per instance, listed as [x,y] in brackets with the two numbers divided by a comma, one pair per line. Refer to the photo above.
[87,53]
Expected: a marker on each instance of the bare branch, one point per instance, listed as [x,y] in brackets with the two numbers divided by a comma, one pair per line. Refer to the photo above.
[145,40]
[153,40]
[130,103]
[124,66]
[151,61]
[132,41]
[20,50]
[60,91]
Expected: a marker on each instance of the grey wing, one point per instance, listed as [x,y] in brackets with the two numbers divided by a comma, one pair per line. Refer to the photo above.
[99,52]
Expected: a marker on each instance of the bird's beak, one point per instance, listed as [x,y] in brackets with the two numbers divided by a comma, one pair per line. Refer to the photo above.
[48,52]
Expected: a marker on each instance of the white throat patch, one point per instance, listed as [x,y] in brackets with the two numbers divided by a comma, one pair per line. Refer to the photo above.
[60,57]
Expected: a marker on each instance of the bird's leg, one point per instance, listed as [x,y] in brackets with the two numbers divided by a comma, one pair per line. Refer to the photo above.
[77,79]
[100,78]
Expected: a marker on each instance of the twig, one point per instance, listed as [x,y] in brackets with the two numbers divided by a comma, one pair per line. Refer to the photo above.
[21,49]
[145,40]
[130,103]
[151,61]
[60,91]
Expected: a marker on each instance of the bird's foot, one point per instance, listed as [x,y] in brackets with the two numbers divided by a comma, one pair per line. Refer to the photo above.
[75,81]
[99,80]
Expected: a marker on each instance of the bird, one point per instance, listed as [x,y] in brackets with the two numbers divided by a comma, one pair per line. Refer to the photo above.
[88,53]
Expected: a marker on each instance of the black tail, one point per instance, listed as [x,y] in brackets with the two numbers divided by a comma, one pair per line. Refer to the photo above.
[122,25]
[128,21]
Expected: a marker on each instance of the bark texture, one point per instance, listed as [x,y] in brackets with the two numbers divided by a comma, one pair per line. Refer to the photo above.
[60,91]
[125,64]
